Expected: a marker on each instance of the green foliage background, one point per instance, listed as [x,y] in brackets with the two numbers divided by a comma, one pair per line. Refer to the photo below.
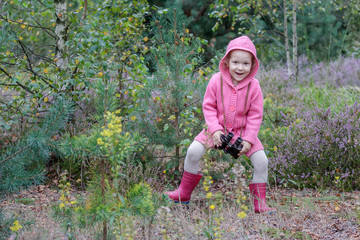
[154,58]
[119,114]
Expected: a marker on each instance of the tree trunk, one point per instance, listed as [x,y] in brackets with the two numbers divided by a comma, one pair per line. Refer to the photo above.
[102,183]
[295,41]
[61,33]
[177,148]
[287,49]
[84,10]
[1,5]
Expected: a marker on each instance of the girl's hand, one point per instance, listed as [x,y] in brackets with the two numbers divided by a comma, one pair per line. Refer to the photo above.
[246,147]
[216,138]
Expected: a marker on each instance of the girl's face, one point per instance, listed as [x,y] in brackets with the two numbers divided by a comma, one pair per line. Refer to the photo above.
[239,63]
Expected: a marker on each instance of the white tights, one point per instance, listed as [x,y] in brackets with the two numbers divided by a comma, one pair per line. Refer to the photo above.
[258,159]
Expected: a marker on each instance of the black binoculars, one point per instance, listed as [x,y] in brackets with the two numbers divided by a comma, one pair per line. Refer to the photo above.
[228,148]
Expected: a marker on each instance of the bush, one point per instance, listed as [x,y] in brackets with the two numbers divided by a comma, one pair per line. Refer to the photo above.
[22,164]
[273,122]
[320,148]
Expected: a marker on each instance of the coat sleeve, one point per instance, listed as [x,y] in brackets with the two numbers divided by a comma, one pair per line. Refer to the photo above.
[210,107]
[254,115]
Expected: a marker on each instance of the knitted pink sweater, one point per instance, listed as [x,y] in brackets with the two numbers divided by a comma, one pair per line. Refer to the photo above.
[234,102]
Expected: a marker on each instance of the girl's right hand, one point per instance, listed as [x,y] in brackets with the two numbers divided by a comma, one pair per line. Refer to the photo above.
[216,138]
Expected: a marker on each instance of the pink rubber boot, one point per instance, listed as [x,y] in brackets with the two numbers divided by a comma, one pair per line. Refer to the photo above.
[188,183]
[258,194]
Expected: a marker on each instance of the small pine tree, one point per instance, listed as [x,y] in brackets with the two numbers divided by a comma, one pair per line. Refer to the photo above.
[168,107]
[23,163]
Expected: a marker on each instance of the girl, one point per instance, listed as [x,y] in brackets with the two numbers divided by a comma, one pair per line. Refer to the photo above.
[233,102]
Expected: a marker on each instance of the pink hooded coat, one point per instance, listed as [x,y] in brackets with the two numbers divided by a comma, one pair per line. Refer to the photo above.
[234,102]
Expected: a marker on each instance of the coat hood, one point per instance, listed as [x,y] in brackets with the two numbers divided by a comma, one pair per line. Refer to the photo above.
[241,43]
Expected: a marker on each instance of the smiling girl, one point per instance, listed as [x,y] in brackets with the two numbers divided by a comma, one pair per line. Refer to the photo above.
[233,102]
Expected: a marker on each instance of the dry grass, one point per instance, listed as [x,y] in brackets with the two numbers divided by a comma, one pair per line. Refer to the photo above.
[300,215]
[303,214]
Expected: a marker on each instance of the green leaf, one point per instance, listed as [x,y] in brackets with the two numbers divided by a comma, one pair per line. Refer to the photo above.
[185,142]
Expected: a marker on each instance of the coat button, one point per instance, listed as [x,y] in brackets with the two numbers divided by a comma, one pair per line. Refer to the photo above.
[234,91]
[232,108]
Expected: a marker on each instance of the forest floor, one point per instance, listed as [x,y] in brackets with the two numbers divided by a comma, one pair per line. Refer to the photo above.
[305,214]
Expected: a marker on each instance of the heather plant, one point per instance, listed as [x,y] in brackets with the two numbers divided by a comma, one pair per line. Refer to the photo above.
[274,79]
[319,146]
[340,72]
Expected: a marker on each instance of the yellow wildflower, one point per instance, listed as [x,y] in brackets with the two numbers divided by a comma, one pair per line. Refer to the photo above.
[209,195]
[62,205]
[146,39]
[16,226]
[242,215]
[212,206]
[245,208]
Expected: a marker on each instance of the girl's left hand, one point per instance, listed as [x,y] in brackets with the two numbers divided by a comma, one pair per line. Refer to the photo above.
[246,147]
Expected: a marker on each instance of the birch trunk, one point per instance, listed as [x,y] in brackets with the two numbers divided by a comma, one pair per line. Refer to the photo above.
[287,49]
[1,5]
[295,41]
[61,33]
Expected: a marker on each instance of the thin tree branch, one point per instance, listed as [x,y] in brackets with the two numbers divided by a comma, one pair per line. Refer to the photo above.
[17,82]
[16,153]
[85,10]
